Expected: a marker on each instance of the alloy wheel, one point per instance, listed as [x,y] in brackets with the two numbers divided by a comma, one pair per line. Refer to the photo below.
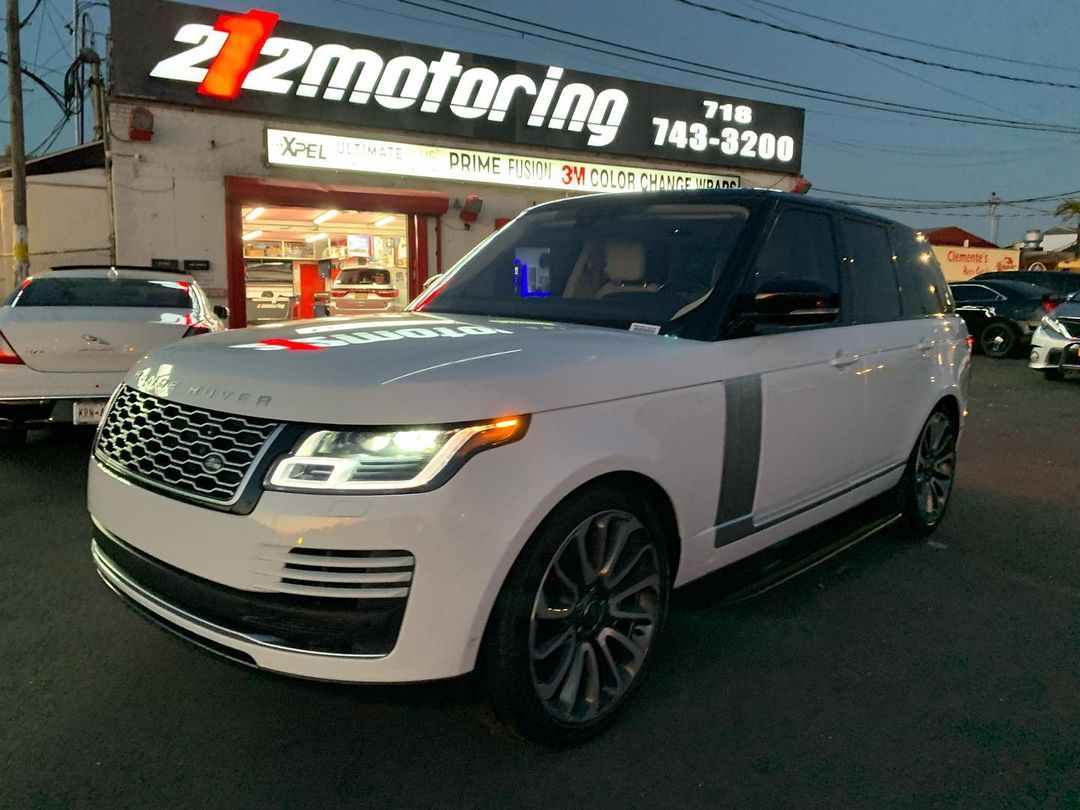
[595,616]
[935,467]
[998,340]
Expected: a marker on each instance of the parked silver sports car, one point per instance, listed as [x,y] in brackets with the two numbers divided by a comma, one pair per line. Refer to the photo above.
[1055,346]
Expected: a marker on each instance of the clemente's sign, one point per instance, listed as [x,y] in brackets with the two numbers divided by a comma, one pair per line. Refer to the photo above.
[961,263]
[255,63]
[315,151]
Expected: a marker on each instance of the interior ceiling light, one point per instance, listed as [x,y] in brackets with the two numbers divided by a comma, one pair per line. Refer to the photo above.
[383,221]
[254,214]
[324,216]
[252,235]
[315,237]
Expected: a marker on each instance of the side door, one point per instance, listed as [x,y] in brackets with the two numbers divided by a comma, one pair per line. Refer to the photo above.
[895,347]
[794,400]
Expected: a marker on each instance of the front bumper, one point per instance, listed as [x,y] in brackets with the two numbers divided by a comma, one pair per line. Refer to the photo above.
[219,578]
[1051,351]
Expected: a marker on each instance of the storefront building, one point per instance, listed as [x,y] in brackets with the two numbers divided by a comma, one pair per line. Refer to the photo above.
[299,171]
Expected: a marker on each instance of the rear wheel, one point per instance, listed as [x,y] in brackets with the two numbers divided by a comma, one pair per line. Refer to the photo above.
[577,618]
[925,491]
[12,438]
[1000,339]
[1054,374]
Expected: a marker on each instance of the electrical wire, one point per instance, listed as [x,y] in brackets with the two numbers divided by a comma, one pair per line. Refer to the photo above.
[922,43]
[887,54]
[687,66]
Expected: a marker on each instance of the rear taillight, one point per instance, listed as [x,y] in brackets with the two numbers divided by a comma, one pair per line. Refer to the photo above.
[1049,304]
[386,293]
[338,293]
[8,355]
[196,329]
[970,341]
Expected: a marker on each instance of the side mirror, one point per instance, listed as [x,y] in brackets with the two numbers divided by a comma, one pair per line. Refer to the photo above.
[221,312]
[792,302]
[434,279]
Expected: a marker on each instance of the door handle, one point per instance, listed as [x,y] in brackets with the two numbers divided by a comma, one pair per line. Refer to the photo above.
[842,360]
[926,345]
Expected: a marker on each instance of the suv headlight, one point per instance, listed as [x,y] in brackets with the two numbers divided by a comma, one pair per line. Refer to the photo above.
[388,460]
[1055,325]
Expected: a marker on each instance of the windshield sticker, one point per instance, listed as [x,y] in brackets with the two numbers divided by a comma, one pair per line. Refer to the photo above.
[320,342]
[645,328]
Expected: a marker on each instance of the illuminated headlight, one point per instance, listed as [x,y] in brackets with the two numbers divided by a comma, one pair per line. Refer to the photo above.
[403,459]
[1055,325]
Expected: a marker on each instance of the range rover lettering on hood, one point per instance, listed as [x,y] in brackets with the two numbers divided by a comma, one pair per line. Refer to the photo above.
[305,343]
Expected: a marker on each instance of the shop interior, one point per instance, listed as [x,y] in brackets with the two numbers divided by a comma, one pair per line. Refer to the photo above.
[312,262]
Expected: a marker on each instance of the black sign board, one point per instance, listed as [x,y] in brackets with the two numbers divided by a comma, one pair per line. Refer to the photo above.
[253,62]
[196,265]
[165,264]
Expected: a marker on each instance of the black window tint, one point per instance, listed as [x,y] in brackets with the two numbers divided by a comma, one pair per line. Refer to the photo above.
[799,256]
[922,289]
[970,293]
[103,292]
[875,289]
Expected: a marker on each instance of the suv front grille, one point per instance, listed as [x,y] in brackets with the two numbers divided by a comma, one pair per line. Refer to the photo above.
[192,451]
[1072,325]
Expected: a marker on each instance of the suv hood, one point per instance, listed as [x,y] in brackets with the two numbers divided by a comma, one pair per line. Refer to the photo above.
[416,368]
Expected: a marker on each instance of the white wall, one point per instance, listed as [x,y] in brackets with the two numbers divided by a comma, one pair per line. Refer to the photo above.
[68,221]
[170,192]
[1057,241]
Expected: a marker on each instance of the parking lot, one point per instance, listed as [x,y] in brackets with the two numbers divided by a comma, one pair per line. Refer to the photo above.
[893,674]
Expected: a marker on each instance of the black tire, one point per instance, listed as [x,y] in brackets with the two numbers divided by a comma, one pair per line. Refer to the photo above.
[539,629]
[999,340]
[12,438]
[1054,374]
[922,471]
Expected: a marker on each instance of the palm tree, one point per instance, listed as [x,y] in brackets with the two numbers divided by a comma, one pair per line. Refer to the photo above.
[1067,210]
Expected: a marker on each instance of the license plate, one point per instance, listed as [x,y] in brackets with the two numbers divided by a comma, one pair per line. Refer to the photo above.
[88,413]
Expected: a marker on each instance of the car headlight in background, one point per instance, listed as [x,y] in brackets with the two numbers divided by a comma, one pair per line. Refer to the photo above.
[394,460]
[1055,326]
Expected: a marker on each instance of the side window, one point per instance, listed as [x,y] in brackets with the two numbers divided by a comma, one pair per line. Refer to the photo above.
[797,273]
[922,288]
[964,294]
[875,290]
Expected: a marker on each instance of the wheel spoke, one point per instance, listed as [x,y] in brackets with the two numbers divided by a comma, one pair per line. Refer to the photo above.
[589,569]
[616,577]
[546,611]
[551,645]
[591,687]
[575,593]
[616,543]
[652,581]
[568,695]
[637,651]
[547,690]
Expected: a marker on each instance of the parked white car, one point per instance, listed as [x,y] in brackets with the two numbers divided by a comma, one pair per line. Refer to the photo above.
[1055,346]
[67,338]
[612,397]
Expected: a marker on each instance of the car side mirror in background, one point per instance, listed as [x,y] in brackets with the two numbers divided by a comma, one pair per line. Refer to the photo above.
[790,303]
[221,311]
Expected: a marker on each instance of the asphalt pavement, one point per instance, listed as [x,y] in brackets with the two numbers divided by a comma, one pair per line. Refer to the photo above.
[894,674]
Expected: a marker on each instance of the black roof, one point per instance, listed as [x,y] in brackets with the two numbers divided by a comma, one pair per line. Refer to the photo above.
[729,196]
[1005,286]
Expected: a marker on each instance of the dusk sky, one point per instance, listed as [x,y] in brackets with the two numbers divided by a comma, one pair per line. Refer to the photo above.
[855,151]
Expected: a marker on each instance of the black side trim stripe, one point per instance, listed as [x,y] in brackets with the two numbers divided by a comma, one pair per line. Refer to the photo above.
[742,455]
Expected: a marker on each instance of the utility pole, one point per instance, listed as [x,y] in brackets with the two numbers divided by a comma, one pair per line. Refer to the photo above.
[21,247]
[995,201]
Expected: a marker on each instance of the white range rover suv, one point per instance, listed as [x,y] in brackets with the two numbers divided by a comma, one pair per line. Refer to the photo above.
[609,398]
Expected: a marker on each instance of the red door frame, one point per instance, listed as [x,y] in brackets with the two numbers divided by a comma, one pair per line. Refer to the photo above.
[267,191]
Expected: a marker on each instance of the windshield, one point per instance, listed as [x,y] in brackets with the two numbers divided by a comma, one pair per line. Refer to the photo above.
[615,265]
[103,292]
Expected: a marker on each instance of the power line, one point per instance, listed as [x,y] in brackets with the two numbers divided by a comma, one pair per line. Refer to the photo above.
[962,203]
[911,41]
[744,79]
[887,54]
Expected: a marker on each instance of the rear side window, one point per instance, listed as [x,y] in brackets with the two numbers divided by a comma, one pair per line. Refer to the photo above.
[974,293]
[104,292]
[875,289]
[923,290]
[799,255]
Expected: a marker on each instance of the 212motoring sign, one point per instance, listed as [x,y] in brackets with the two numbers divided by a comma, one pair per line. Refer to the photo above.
[254,62]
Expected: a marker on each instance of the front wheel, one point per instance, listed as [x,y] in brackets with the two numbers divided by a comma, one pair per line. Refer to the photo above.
[925,491]
[577,619]
[999,340]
